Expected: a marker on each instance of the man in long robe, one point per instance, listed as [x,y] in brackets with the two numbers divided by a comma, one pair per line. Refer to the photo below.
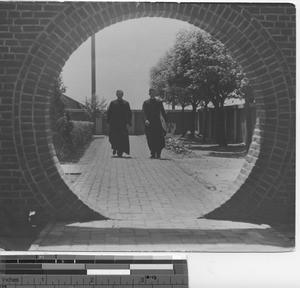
[119,120]
[153,114]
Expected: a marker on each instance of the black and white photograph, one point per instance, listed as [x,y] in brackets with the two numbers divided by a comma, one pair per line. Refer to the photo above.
[147,127]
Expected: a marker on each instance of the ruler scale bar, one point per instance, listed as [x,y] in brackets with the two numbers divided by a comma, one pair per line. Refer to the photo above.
[20,266]
[108,272]
[64,266]
[93,271]
[153,280]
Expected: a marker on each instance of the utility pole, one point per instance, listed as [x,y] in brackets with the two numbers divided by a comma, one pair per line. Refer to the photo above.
[93,64]
[93,52]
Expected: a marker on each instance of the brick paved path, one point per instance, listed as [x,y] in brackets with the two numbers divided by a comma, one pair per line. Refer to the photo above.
[136,186]
[152,205]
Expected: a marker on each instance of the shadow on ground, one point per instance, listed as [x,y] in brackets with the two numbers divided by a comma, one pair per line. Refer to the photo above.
[230,151]
[125,157]
[62,235]
[17,240]
[15,243]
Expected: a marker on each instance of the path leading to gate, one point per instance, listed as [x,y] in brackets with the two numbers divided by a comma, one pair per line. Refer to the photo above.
[152,205]
[137,187]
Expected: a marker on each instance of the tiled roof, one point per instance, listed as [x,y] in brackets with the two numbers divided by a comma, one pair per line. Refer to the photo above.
[71,103]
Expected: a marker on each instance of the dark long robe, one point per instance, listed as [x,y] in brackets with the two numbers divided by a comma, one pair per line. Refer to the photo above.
[118,117]
[155,133]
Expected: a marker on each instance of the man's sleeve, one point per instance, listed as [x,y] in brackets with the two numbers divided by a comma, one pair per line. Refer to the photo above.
[144,115]
[129,115]
[163,112]
[109,113]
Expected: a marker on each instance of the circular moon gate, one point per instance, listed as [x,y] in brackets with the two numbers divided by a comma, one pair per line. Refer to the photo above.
[40,39]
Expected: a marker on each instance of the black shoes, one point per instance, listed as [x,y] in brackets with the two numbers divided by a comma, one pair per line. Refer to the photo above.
[119,153]
[155,155]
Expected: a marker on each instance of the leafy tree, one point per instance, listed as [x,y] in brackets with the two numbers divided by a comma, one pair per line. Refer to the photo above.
[187,44]
[215,76]
[59,118]
[222,81]
[57,107]
[69,136]
[161,77]
[198,70]
[158,77]
[181,96]
[165,79]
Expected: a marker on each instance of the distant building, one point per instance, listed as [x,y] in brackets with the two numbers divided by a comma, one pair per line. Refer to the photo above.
[76,110]
[71,103]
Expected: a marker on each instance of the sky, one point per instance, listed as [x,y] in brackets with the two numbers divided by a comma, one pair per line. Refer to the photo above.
[125,52]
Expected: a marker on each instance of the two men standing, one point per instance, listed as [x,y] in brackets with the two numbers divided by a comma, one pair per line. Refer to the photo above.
[119,120]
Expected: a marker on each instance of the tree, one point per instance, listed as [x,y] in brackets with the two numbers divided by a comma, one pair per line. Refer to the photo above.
[57,107]
[222,82]
[161,76]
[165,79]
[196,52]
[94,106]
[215,75]
[59,117]
[198,70]
[181,96]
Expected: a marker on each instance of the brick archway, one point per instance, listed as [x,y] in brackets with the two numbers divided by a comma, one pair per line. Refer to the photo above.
[39,39]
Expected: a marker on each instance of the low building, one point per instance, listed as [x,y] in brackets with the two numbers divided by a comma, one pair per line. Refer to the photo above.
[76,110]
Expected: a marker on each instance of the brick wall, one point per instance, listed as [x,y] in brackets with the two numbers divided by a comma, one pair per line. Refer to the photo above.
[36,39]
